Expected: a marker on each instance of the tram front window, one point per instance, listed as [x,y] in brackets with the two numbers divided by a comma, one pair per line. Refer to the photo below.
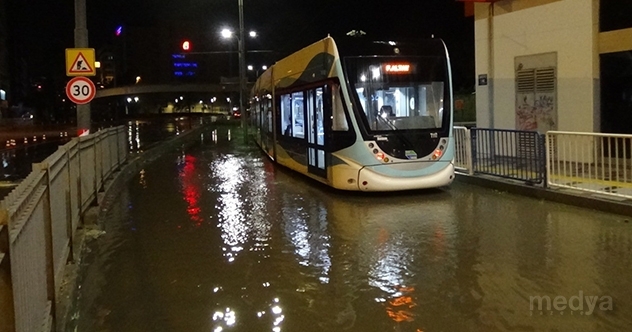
[399,94]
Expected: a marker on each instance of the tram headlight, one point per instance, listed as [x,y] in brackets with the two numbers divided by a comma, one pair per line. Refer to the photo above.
[379,156]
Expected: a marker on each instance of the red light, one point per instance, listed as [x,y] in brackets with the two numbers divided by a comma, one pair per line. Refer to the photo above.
[191,190]
[186,45]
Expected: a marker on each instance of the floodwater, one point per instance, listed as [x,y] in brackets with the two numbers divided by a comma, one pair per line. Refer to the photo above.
[217,238]
[16,163]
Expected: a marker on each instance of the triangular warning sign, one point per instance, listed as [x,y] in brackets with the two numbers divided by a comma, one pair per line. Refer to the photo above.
[80,65]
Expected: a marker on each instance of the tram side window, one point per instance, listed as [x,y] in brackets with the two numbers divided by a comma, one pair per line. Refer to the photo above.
[257,115]
[252,108]
[254,119]
[297,115]
[263,110]
[339,122]
[267,110]
[286,115]
[320,113]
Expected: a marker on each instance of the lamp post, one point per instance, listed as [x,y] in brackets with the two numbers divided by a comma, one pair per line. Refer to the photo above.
[226,33]
[242,65]
[256,70]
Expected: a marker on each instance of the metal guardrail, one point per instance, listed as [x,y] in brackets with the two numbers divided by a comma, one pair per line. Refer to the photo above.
[592,162]
[511,154]
[38,221]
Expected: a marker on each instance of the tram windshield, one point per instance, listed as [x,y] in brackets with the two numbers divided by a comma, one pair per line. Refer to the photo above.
[396,93]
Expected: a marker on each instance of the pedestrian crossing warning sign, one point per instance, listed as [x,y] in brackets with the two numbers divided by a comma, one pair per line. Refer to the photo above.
[80,62]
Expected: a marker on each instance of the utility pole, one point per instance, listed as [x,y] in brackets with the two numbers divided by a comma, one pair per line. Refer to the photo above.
[81,41]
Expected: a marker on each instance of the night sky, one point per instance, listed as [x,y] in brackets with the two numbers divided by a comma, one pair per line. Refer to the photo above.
[45,28]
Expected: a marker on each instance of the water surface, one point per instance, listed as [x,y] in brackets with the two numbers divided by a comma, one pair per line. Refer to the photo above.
[217,238]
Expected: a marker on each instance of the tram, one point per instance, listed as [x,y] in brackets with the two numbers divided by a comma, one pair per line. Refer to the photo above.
[359,116]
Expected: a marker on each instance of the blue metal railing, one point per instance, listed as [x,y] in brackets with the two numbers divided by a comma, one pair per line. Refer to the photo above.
[512,154]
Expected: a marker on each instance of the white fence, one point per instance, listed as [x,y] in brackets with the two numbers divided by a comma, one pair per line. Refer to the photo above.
[592,162]
[38,222]
[463,146]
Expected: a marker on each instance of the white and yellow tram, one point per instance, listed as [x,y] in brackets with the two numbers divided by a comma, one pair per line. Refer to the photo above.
[372,117]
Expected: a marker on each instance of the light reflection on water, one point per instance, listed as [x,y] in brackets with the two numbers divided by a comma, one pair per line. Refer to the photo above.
[236,244]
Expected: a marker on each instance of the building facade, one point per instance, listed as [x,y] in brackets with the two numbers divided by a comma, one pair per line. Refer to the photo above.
[554,65]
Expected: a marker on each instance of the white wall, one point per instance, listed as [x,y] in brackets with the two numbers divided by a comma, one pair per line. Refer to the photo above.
[567,27]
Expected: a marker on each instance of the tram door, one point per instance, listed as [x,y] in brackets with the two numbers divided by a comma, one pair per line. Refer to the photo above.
[316,135]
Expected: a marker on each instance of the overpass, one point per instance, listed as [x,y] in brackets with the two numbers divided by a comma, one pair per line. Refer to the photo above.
[168,88]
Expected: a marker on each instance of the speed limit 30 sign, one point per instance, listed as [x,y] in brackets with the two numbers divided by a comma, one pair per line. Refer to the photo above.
[80,90]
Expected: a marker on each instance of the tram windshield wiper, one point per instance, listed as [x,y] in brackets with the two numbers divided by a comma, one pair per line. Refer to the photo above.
[398,133]
[388,123]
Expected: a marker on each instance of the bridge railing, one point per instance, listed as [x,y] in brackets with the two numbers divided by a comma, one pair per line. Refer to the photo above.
[38,223]
[592,162]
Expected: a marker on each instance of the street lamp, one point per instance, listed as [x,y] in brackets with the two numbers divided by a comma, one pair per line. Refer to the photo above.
[226,33]
[252,68]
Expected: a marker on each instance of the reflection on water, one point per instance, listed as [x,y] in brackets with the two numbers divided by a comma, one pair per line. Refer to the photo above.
[219,239]
[16,164]
[144,133]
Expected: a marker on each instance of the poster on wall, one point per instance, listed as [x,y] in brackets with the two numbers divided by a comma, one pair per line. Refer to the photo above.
[536,90]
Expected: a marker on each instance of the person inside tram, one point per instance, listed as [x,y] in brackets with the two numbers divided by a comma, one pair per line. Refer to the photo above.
[386,111]
[288,128]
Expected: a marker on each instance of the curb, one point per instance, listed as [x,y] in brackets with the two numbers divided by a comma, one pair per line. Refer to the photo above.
[564,196]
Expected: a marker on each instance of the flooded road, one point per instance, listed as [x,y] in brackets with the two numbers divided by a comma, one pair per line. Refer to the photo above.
[217,238]
[16,163]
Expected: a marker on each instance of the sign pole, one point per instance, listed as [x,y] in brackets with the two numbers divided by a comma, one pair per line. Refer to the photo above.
[81,41]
